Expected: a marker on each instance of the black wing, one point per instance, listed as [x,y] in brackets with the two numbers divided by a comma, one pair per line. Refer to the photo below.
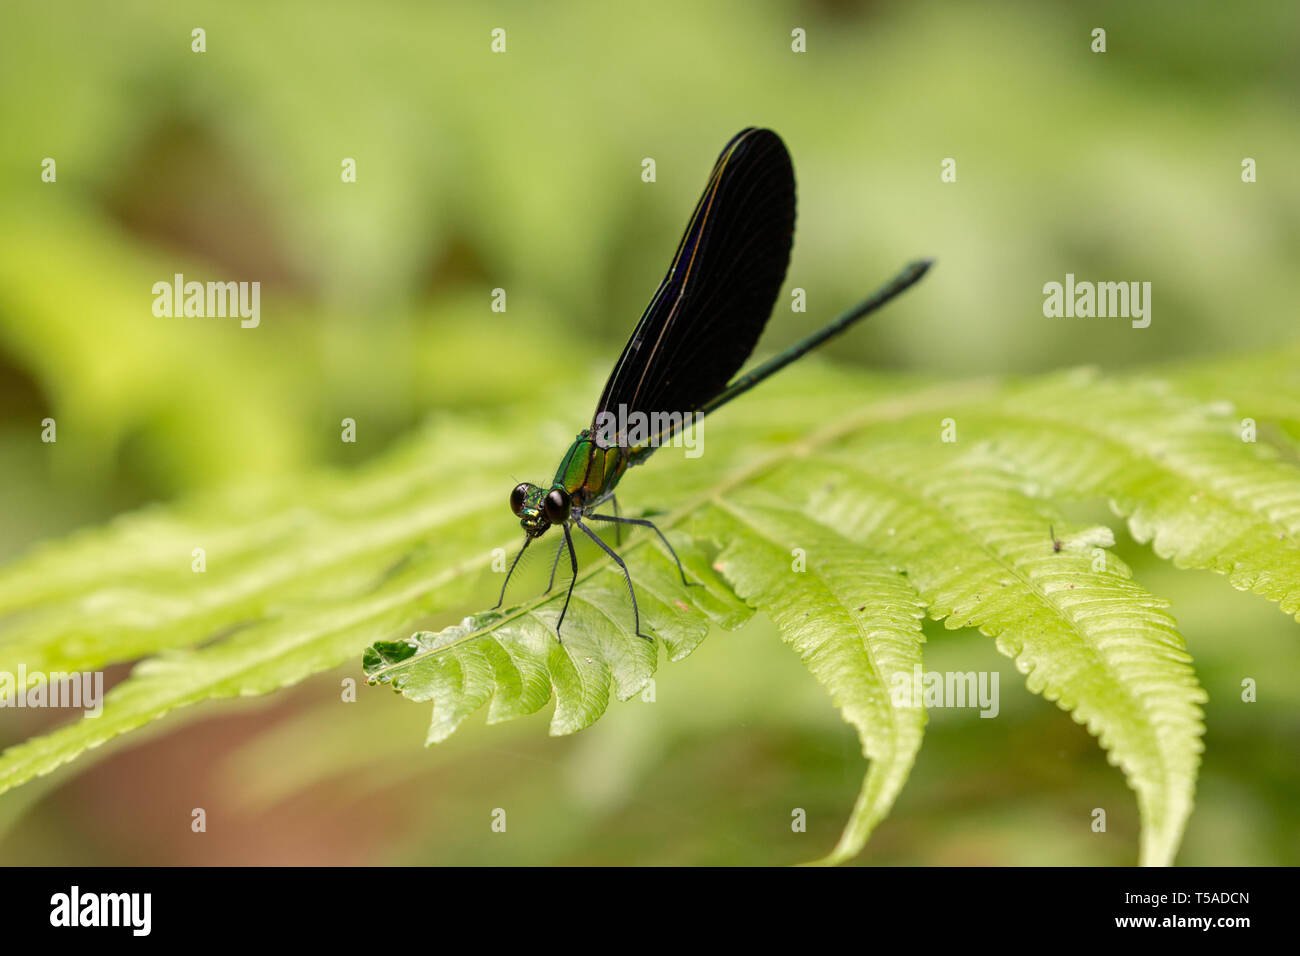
[710,309]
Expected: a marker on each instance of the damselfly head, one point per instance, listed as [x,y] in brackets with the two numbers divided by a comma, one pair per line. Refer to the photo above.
[538,508]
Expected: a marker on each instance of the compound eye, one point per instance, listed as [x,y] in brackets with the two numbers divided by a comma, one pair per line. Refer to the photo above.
[557,506]
[517,497]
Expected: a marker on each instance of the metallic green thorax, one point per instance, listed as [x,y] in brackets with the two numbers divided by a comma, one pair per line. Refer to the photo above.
[588,472]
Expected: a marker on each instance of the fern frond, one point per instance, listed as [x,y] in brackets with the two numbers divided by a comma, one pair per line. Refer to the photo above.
[512,660]
[853,620]
[1176,469]
[978,551]
[851,470]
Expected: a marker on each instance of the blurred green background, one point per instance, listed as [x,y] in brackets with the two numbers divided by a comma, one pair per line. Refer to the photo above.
[523,171]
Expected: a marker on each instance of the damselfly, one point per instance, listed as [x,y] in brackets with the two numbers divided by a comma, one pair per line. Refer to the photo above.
[695,334]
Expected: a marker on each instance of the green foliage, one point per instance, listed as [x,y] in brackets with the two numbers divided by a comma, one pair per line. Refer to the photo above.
[828,502]
[854,621]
